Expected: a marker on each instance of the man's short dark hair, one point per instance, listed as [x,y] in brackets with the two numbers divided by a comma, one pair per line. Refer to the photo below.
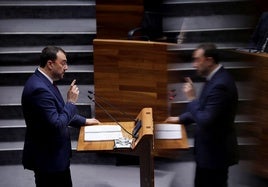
[210,50]
[49,53]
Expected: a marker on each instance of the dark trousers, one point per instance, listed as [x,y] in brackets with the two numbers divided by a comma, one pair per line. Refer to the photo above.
[211,177]
[55,179]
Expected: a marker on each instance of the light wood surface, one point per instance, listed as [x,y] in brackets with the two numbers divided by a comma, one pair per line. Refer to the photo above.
[146,131]
[172,144]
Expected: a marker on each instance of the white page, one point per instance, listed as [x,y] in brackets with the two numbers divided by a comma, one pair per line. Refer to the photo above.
[168,135]
[167,127]
[103,128]
[102,136]
[167,131]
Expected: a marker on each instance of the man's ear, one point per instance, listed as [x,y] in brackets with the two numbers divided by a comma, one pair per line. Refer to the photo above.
[49,64]
[210,60]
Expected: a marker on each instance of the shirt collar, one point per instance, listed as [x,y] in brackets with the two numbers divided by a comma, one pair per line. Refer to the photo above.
[213,72]
[50,80]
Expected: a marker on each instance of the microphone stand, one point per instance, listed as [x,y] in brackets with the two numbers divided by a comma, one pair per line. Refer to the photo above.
[112,106]
[99,105]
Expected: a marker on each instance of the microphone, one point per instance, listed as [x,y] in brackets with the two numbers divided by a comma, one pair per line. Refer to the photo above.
[99,105]
[112,106]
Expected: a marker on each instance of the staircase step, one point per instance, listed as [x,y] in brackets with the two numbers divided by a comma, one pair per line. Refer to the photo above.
[221,45]
[17,75]
[15,133]
[245,90]
[18,146]
[11,95]
[37,49]
[47,9]
[48,26]
[29,55]
[14,111]
[11,39]
[208,7]
[207,23]
[174,2]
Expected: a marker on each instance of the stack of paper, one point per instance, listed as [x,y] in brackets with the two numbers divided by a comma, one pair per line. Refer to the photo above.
[102,132]
[167,131]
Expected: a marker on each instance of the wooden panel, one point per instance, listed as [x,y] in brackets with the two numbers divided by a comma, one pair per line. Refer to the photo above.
[131,75]
[260,108]
[146,131]
[116,17]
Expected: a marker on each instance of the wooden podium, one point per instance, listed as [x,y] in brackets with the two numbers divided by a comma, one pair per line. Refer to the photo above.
[133,75]
[142,147]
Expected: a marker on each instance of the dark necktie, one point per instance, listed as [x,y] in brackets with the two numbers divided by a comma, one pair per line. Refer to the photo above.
[56,87]
[206,83]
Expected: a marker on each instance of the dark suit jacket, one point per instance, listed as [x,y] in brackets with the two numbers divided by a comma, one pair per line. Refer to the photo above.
[47,144]
[214,113]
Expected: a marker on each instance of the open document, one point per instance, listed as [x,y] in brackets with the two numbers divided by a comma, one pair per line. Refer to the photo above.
[167,131]
[102,132]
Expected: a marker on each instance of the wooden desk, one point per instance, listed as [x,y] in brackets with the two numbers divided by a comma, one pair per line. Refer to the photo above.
[143,147]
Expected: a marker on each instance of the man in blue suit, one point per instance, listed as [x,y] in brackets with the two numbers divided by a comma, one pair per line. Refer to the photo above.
[47,146]
[215,146]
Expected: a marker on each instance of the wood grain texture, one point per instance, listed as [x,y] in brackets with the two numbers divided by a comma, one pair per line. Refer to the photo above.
[259,108]
[131,75]
[116,17]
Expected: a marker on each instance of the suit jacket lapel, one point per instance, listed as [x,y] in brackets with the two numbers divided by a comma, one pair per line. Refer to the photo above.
[50,86]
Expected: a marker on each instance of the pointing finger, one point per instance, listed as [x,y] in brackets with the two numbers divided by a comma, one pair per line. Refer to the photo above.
[189,80]
[73,82]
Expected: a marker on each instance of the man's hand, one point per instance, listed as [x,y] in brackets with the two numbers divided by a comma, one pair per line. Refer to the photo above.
[92,121]
[73,93]
[188,89]
[172,120]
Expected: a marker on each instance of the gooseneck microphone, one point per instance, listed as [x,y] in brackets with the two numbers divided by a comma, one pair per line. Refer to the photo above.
[99,105]
[112,106]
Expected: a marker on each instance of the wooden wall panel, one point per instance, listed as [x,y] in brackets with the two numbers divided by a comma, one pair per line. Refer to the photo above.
[131,75]
[259,108]
[116,17]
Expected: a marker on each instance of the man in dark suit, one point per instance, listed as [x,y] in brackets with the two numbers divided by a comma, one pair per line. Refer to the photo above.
[47,146]
[213,112]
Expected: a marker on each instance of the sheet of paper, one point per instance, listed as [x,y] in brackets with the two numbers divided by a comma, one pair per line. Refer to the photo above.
[102,128]
[102,132]
[167,131]
[167,127]
[102,136]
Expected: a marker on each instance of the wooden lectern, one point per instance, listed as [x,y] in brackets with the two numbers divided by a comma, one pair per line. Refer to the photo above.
[143,146]
[133,75]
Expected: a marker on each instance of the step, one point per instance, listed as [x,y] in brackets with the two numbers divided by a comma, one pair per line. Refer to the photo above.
[245,91]
[208,23]
[29,55]
[48,26]
[14,111]
[199,1]
[47,9]
[208,7]
[18,146]
[37,39]
[38,49]
[11,95]
[244,107]
[228,65]
[192,46]
[17,75]
[14,130]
